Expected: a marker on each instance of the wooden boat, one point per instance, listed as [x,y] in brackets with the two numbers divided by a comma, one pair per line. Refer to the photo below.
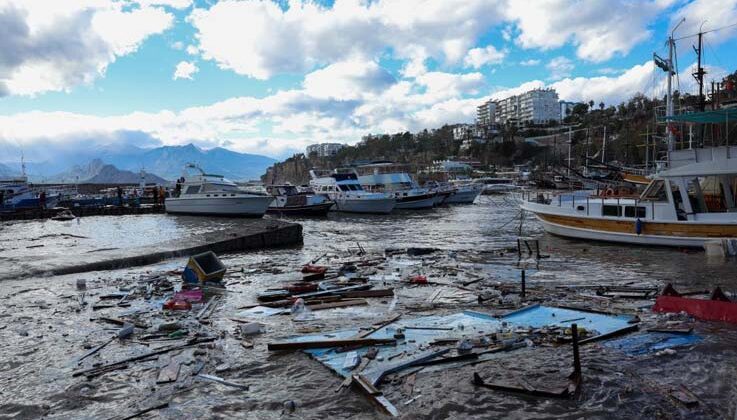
[690,203]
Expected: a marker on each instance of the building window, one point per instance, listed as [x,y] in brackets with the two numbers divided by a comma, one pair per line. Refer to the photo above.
[613,211]
[632,211]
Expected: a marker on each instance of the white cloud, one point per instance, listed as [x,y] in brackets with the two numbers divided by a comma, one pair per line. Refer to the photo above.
[259,39]
[351,79]
[529,63]
[713,14]
[176,4]
[185,70]
[598,28]
[479,57]
[53,46]
[560,67]
[192,50]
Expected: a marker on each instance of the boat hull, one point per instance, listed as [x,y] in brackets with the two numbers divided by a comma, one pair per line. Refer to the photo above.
[462,197]
[321,209]
[678,234]
[225,206]
[374,206]
[424,201]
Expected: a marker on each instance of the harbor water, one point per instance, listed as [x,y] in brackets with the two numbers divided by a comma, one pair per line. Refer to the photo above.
[43,327]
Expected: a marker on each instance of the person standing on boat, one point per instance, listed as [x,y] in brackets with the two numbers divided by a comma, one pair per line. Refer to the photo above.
[156,196]
[119,192]
[42,200]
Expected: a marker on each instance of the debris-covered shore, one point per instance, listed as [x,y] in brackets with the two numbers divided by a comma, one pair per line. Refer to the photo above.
[427,329]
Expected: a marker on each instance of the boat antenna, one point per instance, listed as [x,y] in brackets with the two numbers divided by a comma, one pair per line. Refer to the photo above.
[667,66]
[699,73]
[22,164]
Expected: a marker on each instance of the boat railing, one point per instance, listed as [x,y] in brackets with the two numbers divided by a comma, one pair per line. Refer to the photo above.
[564,199]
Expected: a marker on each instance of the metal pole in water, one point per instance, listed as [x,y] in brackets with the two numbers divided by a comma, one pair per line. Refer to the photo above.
[576,358]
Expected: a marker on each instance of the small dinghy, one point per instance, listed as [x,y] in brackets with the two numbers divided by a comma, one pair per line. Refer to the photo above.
[64,215]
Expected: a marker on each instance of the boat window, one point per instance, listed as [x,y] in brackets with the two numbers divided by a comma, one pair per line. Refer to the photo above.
[344,188]
[192,189]
[655,191]
[632,211]
[614,211]
[711,198]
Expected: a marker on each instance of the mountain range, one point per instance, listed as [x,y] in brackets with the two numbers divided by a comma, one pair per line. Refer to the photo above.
[165,161]
[98,172]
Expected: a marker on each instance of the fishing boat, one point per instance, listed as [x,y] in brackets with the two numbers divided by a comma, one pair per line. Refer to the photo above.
[17,194]
[287,199]
[343,188]
[685,205]
[201,193]
[395,180]
[689,202]
[497,185]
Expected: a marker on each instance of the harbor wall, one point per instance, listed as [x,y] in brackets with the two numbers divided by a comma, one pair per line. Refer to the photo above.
[266,234]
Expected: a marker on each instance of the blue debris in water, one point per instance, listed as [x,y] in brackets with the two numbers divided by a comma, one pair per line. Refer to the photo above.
[538,316]
[652,342]
[468,324]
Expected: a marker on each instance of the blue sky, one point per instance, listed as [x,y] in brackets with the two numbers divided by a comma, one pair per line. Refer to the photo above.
[271,78]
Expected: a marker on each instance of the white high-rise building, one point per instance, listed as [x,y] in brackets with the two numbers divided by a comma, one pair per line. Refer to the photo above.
[537,106]
[325,149]
[486,114]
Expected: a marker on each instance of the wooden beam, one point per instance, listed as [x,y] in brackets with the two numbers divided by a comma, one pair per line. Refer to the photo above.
[320,344]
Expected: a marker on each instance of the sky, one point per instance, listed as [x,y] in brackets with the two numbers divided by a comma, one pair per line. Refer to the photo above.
[270,78]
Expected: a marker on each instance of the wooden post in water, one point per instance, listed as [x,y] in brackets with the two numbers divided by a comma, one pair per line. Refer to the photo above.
[523,293]
[519,250]
[576,359]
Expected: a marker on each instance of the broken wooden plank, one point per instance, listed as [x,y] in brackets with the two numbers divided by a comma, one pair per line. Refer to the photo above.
[221,381]
[611,334]
[339,304]
[146,410]
[320,344]
[368,293]
[169,373]
[525,388]
[374,395]
[380,326]
[144,356]
[119,321]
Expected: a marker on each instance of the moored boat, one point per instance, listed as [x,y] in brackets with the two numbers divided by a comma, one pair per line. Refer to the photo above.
[349,196]
[465,192]
[287,199]
[686,205]
[394,179]
[209,194]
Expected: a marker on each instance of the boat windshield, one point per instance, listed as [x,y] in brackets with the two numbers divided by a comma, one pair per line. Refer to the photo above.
[655,191]
[213,187]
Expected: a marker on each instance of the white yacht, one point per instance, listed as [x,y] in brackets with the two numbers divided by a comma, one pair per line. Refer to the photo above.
[202,193]
[394,179]
[465,192]
[497,185]
[348,195]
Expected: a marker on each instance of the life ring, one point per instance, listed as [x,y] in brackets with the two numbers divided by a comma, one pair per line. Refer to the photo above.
[609,192]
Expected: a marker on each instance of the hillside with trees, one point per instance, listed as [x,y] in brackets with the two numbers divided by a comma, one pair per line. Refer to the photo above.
[627,128]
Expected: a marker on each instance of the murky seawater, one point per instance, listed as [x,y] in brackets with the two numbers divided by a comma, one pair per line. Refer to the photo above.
[42,326]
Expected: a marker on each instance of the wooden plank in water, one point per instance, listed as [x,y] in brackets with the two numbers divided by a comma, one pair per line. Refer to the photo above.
[169,373]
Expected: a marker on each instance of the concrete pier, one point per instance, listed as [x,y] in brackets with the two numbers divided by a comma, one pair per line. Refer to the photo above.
[34,214]
[255,235]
